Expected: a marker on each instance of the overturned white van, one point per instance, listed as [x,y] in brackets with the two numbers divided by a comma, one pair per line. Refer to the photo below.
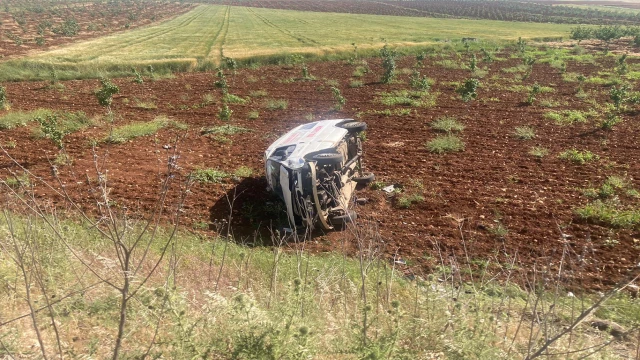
[315,168]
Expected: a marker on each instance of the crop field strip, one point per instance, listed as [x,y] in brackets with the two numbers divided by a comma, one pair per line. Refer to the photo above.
[558,12]
[209,32]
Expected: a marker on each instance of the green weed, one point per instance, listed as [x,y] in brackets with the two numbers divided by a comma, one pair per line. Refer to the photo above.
[447,124]
[578,157]
[445,144]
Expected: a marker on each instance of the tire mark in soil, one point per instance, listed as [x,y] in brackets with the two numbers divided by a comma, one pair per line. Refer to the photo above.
[302,39]
[223,30]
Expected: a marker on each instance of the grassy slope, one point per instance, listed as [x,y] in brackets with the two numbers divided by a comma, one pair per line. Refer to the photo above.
[209,32]
[210,296]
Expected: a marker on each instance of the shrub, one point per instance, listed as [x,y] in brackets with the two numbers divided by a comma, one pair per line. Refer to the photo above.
[49,126]
[468,90]
[578,157]
[447,124]
[619,95]
[137,76]
[221,83]
[445,143]
[356,84]
[388,64]
[419,82]
[535,90]
[106,92]
[225,113]
[525,133]
[610,120]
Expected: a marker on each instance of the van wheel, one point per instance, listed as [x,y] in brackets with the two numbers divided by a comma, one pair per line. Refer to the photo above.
[354,126]
[342,220]
[365,179]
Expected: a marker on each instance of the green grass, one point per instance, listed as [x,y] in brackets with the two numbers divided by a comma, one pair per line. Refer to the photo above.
[225,130]
[234,99]
[263,303]
[447,124]
[445,144]
[124,133]
[276,104]
[243,172]
[610,214]
[68,122]
[538,152]
[146,105]
[197,39]
[209,175]
[405,201]
[578,157]
[525,133]
[15,119]
[569,117]
[408,98]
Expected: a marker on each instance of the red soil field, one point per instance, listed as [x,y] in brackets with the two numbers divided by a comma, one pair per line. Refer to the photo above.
[19,29]
[467,194]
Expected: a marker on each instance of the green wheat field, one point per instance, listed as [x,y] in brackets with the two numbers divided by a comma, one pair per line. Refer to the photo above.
[203,36]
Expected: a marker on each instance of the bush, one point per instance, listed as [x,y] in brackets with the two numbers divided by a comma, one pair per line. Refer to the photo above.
[225,113]
[468,90]
[49,126]
[106,92]
[388,64]
[445,143]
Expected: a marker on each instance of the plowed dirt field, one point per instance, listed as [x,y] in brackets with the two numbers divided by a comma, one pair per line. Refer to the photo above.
[494,198]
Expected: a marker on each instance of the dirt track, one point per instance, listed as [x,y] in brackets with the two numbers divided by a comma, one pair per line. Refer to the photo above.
[494,181]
